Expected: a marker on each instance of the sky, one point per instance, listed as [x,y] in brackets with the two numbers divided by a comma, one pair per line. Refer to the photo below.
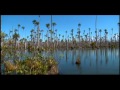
[64,23]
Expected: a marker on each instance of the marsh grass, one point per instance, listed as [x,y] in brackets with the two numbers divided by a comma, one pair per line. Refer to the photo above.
[30,66]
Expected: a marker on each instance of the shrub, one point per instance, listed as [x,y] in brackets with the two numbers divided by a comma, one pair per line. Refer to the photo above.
[29,66]
[93,45]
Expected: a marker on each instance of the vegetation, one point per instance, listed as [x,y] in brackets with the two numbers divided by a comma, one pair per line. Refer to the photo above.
[31,66]
[52,40]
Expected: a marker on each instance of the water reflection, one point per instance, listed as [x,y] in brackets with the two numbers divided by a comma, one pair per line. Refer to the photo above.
[99,61]
[66,55]
[92,61]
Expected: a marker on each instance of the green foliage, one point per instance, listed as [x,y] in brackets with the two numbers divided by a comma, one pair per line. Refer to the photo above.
[113,46]
[93,45]
[29,66]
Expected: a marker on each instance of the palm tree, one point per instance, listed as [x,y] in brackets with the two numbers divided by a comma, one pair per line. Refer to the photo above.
[23,28]
[27,37]
[18,27]
[72,33]
[96,35]
[106,38]
[66,38]
[115,37]
[2,36]
[119,26]
[56,38]
[112,35]
[32,35]
[51,22]
[48,26]
[79,25]
[15,37]
[54,24]
[34,22]
[10,33]
[38,31]
[86,37]
[66,34]
[96,28]
[51,33]
[72,37]
[6,35]
[100,36]
[56,33]
[42,33]
[59,38]
[51,28]
[89,35]
[63,37]
[106,35]
[84,33]
[15,30]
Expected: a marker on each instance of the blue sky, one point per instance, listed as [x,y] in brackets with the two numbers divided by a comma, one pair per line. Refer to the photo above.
[64,22]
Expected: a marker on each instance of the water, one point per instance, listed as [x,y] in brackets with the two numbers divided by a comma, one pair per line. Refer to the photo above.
[95,62]
[101,61]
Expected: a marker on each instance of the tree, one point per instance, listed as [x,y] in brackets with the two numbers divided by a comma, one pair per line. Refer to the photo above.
[100,36]
[51,22]
[32,35]
[66,38]
[96,28]
[15,30]
[38,31]
[10,33]
[86,37]
[79,25]
[96,35]
[72,36]
[23,28]
[106,35]
[42,34]
[48,26]
[66,34]
[56,36]
[3,35]
[59,38]
[54,24]
[34,22]
[115,37]
[112,35]
[18,27]
[15,37]
[89,35]
[119,26]
[51,33]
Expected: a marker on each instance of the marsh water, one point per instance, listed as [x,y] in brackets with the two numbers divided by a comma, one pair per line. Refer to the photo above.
[100,61]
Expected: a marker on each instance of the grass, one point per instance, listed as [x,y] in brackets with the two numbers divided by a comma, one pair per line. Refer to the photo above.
[31,66]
